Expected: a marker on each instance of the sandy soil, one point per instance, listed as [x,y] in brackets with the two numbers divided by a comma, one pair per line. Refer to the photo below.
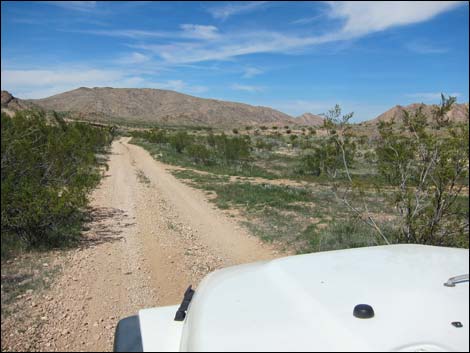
[151,237]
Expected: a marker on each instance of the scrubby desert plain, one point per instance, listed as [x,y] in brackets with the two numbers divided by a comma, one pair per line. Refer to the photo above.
[182,195]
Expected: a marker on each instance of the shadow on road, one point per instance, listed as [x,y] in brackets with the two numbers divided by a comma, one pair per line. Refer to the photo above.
[104,225]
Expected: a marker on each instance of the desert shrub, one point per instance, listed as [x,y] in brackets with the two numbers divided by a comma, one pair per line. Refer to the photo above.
[370,156]
[307,143]
[155,135]
[342,234]
[211,139]
[48,167]
[310,162]
[428,172]
[199,153]
[235,131]
[262,144]
[325,158]
[158,136]
[263,127]
[363,140]
[274,127]
[232,149]
[288,131]
[180,140]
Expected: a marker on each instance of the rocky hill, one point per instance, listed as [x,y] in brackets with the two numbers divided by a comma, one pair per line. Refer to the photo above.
[310,119]
[161,106]
[11,104]
[145,105]
[458,113]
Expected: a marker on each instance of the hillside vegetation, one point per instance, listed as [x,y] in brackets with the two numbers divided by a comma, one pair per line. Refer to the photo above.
[48,167]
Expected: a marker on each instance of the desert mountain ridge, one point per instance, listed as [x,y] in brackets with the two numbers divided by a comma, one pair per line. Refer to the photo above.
[173,108]
[458,113]
[310,119]
[160,106]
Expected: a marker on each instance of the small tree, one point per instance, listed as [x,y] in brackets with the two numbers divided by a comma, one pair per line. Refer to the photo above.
[440,112]
[339,153]
[428,172]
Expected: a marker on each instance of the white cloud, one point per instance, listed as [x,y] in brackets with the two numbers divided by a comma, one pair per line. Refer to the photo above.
[430,96]
[305,20]
[44,83]
[188,31]
[250,72]
[133,58]
[199,31]
[83,6]
[127,33]
[177,85]
[364,17]
[229,46]
[359,19]
[225,11]
[246,88]
[13,78]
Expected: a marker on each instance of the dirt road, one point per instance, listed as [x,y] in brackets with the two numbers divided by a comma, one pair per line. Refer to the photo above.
[151,237]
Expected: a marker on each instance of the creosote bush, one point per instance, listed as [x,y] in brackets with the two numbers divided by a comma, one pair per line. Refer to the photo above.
[48,167]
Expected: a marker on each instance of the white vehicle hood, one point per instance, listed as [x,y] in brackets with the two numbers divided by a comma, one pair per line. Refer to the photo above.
[306,302]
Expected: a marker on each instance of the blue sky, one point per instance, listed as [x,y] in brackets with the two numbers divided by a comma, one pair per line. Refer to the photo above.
[292,56]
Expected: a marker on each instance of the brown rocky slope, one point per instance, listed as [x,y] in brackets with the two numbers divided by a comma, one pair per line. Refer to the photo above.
[10,104]
[310,119]
[458,113]
[160,106]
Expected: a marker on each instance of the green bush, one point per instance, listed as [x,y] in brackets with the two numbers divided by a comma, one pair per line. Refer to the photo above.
[262,144]
[232,149]
[342,234]
[180,140]
[48,167]
[199,153]
[159,136]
